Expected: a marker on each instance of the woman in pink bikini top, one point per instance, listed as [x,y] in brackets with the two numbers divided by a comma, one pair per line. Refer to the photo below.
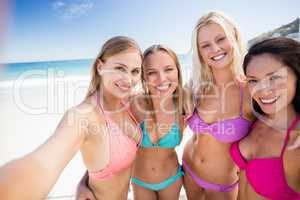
[270,169]
[109,153]
[101,127]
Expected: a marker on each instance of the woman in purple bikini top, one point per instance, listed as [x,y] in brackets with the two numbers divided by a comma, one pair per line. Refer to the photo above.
[229,130]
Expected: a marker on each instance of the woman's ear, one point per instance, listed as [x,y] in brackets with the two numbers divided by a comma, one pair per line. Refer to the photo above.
[99,66]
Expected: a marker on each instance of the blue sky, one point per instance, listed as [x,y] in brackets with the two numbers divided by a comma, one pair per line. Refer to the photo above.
[72,29]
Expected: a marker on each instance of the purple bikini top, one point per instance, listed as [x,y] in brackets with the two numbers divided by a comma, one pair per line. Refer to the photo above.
[229,130]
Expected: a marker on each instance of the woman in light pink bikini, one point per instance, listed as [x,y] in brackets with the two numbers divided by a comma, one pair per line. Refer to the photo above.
[157,174]
[222,111]
[269,156]
[101,127]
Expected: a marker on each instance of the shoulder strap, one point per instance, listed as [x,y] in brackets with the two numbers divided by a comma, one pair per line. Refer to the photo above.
[99,105]
[174,107]
[134,120]
[291,127]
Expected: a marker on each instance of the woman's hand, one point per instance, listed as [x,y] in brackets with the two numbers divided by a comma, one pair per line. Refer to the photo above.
[296,144]
[83,192]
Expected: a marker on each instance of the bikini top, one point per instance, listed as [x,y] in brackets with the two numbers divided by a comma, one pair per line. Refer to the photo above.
[122,148]
[228,130]
[266,175]
[170,140]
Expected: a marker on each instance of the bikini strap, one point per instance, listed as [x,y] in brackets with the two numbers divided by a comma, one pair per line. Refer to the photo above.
[241,100]
[174,107]
[130,112]
[134,119]
[99,105]
[291,127]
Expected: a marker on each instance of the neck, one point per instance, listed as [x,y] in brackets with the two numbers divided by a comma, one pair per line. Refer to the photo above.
[282,119]
[222,76]
[108,101]
[163,104]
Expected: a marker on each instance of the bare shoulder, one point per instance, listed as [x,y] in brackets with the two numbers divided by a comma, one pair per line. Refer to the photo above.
[138,106]
[84,116]
[248,144]
[86,110]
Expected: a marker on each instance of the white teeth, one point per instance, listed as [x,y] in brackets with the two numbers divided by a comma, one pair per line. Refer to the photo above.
[219,57]
[163,87]
[269,100]
[124,88]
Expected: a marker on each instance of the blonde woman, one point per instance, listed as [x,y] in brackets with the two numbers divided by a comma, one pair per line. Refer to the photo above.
[157,174]
[222,113]
[101,127]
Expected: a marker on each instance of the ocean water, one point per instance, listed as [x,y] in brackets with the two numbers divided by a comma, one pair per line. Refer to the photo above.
[34,97]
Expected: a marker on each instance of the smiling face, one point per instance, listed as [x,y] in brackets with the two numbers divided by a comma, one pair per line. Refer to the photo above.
[214,46]
[272,85]
[120,73]
[160,74]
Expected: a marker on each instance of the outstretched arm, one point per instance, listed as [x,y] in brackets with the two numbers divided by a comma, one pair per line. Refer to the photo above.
[33,176]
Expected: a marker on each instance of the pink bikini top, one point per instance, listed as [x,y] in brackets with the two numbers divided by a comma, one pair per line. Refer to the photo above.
[266,175]
[122,148]
[229,130]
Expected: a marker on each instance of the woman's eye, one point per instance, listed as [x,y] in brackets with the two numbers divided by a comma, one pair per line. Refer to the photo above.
[275,77]
[204,46]
[252,81]
[136,71]
[120,68]
[221,39]
[150,73]
[169,69]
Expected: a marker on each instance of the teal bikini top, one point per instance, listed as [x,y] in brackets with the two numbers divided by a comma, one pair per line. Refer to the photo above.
[169,140]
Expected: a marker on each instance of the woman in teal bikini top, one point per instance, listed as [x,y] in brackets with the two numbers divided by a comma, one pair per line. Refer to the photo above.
[157,173]
[169,140]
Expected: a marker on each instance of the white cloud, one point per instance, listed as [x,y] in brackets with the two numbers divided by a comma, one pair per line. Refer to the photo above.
[58,5]
[71,10]
[79,9]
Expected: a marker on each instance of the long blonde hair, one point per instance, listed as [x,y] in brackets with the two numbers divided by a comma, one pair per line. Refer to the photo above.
[110,48]
[178,93]
[202,77]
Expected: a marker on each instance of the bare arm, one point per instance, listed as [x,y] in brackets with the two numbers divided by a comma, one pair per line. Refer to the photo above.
[33,176]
